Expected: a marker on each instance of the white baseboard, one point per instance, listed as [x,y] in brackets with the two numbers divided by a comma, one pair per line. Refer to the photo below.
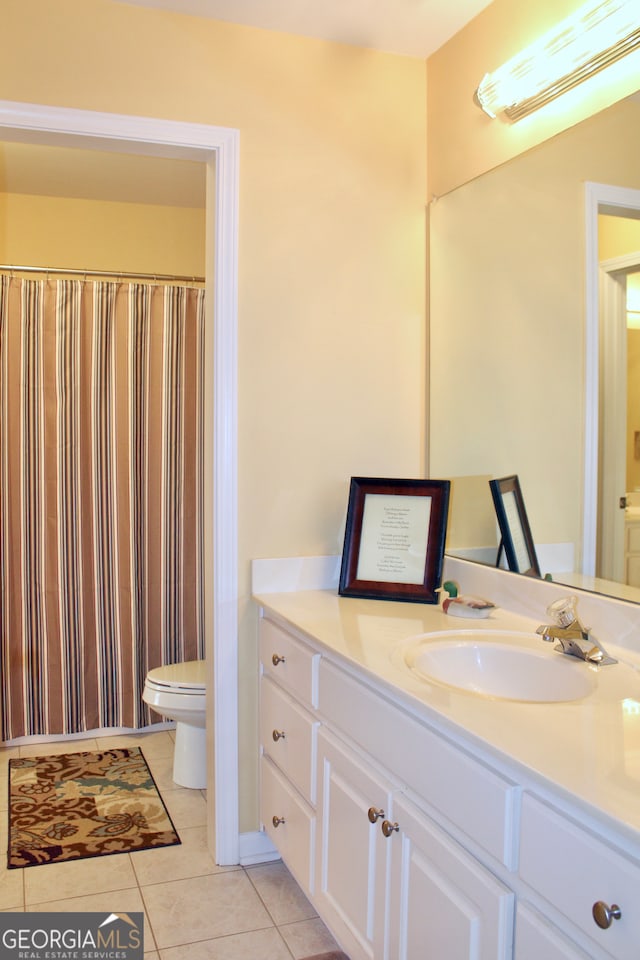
[255,847]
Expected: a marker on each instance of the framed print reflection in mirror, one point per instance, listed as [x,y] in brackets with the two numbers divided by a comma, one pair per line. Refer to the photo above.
[394,539]
[517,542]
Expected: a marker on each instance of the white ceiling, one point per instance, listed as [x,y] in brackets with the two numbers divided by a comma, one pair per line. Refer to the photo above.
[414,28]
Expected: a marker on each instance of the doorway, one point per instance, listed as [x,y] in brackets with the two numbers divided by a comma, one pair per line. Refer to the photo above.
[601,445]
[616,456]
[217,147]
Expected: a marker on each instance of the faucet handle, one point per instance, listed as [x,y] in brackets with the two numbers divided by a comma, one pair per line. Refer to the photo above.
[563,611]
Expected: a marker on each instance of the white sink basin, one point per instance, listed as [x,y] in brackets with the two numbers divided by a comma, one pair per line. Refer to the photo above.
[499,665]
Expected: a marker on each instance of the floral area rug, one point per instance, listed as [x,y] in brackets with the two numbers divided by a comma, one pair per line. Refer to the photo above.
[80,805]
[332,955]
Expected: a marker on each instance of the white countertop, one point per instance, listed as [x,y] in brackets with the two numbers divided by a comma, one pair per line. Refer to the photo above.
[587,749]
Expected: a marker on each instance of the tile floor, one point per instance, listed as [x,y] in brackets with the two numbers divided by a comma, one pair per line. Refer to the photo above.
[193,909]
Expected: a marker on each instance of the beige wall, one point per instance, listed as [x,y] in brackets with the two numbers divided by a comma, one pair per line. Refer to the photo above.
[463,141]
[100,235]
[332,250]
[508,317]
[617,236]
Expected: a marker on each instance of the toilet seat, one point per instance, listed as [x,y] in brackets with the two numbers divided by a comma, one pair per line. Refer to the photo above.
[178,692]
[179,679]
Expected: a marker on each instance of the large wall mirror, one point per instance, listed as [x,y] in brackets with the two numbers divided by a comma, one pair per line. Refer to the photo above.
[508,332]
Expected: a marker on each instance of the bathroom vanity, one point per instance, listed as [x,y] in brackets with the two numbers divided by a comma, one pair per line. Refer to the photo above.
[427,821]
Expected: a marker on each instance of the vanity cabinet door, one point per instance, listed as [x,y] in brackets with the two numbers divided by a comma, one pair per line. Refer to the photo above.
[351,854]
[537,939]
[443,903]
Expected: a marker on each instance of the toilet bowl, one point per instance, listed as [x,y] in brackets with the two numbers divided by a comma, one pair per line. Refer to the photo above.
[178,692]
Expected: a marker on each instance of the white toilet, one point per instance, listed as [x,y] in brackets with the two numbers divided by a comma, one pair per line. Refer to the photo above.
[178,692]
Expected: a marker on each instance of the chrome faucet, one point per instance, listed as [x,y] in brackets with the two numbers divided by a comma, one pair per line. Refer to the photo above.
[573,638]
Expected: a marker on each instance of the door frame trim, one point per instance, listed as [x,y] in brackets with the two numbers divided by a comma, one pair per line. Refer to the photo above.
[218,147]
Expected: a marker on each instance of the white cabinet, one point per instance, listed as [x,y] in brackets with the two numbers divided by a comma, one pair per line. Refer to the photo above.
[289,822]
[352,860]
[389,882]
[573,870]
[288,733]
[442,902]
[413,846]
[463,792]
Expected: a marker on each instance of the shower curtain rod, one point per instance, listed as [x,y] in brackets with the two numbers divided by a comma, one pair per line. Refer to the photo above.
[117,274]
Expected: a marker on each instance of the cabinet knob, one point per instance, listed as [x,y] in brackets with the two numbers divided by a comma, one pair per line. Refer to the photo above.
[276,659]
[374,814]
[276,821]
[603,914]
[388,828]
[278,735]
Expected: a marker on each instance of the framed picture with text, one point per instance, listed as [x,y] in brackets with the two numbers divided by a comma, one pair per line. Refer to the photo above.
[394,539]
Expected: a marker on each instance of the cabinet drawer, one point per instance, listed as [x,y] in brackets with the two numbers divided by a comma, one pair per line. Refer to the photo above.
[289,736]
[290,662]
[572,870]
[295,837]
[474,798]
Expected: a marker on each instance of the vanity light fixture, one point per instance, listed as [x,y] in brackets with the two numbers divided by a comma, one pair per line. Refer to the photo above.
[595,36]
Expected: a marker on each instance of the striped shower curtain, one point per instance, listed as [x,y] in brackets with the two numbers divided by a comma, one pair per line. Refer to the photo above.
[101,445]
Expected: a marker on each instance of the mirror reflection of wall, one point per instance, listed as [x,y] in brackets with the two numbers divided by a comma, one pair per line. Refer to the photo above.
[472,530]
[507,377]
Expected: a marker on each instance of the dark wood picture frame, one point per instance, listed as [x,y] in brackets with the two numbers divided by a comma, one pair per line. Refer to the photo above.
[515,531]
[394,539]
